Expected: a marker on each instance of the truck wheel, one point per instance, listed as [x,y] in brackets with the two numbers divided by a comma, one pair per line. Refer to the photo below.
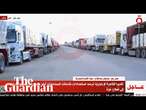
[48,51]
[2,64]
[21,58]
[143,53]
[122,52]
[41,53]
[113,50]
[29,59]
[92,48]
[138,53]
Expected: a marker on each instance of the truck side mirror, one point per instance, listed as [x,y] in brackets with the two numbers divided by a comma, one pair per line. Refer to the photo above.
[19,36]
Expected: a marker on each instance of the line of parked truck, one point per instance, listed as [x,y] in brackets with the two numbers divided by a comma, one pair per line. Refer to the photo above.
[131,42]
[19,43]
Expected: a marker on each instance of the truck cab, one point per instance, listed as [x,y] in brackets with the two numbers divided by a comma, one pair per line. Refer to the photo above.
[15,43]
[99,42]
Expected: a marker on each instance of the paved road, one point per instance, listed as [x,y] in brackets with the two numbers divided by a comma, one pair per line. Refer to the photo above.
[67,62]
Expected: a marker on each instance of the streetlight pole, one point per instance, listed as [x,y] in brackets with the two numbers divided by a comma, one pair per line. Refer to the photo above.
[139,35]
[50,23]
[139,21]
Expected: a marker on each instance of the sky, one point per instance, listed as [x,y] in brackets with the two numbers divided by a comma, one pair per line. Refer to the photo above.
[69,27]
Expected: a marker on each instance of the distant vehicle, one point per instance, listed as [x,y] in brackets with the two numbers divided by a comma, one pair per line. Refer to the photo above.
[55,44]
[82,43]
[99,42]
[90,43]
[96,43]
[76,44]
[47,43]
[112,43]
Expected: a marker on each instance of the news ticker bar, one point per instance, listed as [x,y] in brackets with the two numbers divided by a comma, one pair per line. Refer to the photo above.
[79,84]
[62,86]
[66,94]
[136,87]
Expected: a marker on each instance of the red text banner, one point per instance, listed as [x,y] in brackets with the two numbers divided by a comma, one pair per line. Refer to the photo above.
[59,86]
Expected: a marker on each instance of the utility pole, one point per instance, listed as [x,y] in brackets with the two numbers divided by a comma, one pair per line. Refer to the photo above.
[139,21]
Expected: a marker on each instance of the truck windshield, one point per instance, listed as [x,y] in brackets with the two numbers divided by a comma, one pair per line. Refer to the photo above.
[11,36]
[100,40]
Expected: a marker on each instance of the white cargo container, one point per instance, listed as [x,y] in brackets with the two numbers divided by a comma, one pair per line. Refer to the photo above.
[29,37]
[38,39]
[138,45]
[76,43]
[144,39]
[47,43]
[141,40]
[109,39]
[32,39]
[135,40]
[112,43]
[3,46]
[90,43]
[3,31]
[108,43]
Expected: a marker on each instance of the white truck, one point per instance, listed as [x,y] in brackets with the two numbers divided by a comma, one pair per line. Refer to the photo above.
[116,44]
[47,43]
[55,44]
[16,44]
[23,44]
[96,43]
[99,42]
[134,41]
[90,43]
[76,44]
